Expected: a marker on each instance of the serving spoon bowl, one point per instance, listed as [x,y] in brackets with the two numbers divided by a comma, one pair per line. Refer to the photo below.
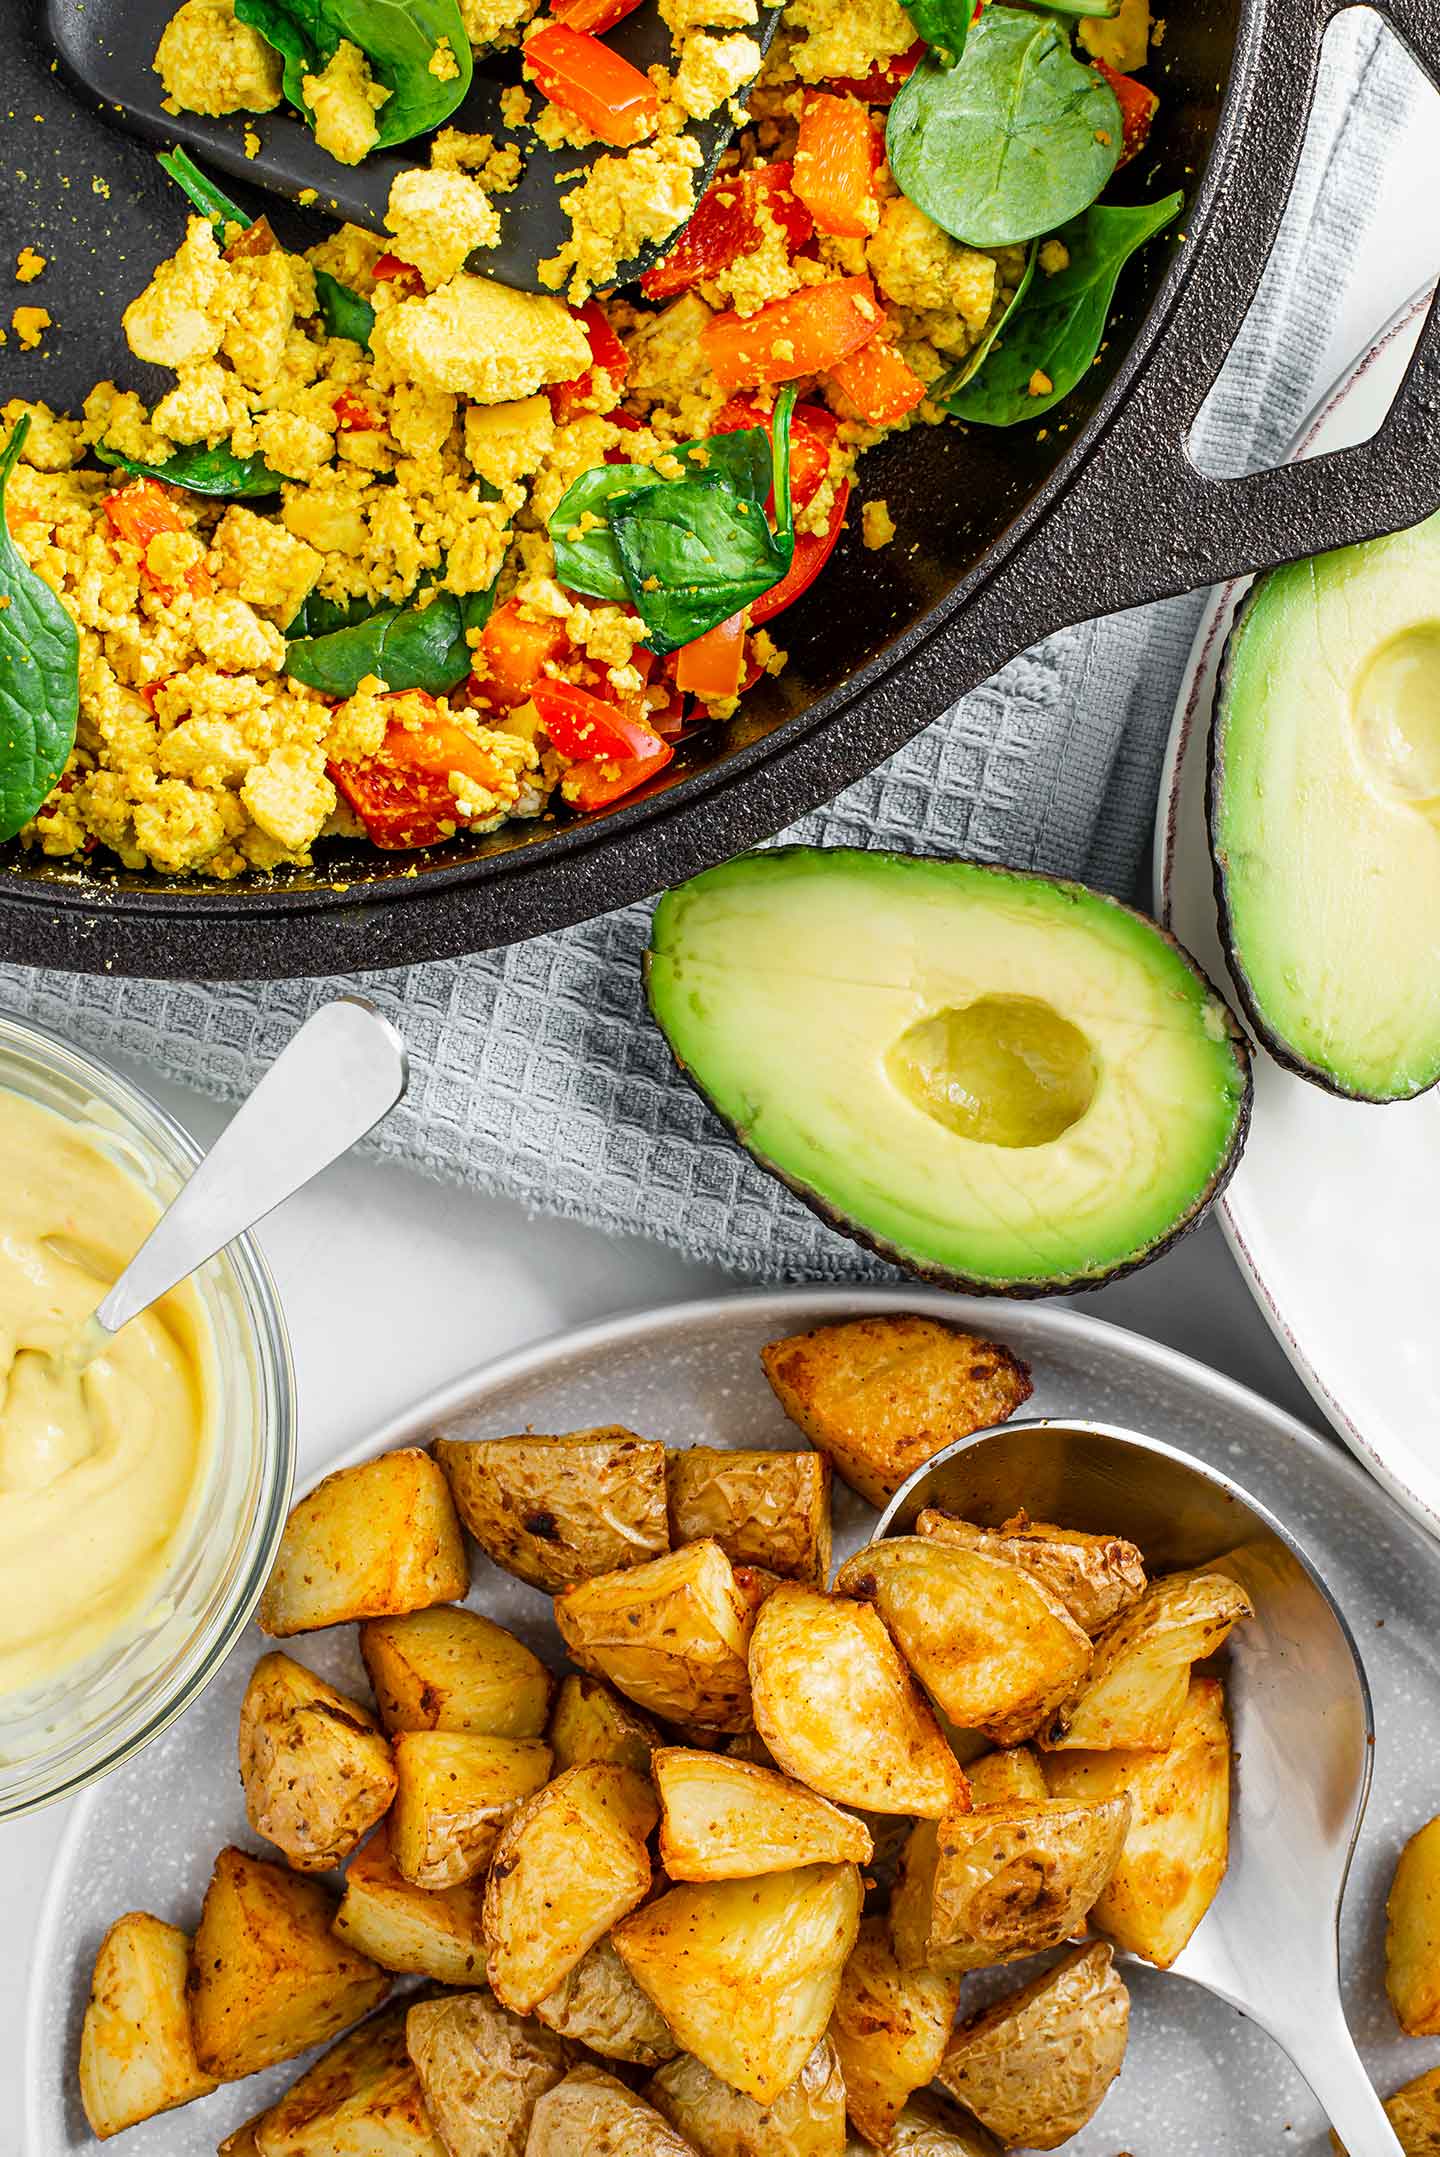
[1300,1712]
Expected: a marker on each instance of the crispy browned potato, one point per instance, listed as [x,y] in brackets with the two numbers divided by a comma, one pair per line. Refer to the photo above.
[1034,2067]
[839,1710]
[137,2056]
[999,1777]
[805,2120]
[555,1511]
[420,1931]
[1135,1690]
[456,1791]
[569,1863]
[993,1648]
[755,1582]
[890,2028]
[362,2099]
[590,2114]
[268,1977]
[589,1722]
[241,2142]
[1412,1937]
[316,1770]
[1096,1577]
[880,1396]
[1177,1844]
[481,2071]
[930,2126]
[448,1669]
[672,1635]
[1414,2113]
[723,1819]
[368,1542]
[745,1972]
[764,1509]
[599,2004]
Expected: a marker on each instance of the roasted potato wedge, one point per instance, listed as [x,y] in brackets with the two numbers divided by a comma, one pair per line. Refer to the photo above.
[881,1396]
[555,1511]
[420,1931]
[137,2056]
[455,1793]
[930,2126]
[569,1863]
[599,2004]
[1414,2113]
[763,1509]
[1412,1935]
[839,1710]
[1000,1777]
[589,1722]
[362,2099]
[448,1669]
[1135,1691]
[481,2071]
[268,1977]
[722,1819]
[590,2114]
[1033,2068]
[367,1542]
[1096,1577]
[805,2120]
[315,1768]
[672,1635]
[746,1972]
[992,1647]
[890,2029]
[1177,1844]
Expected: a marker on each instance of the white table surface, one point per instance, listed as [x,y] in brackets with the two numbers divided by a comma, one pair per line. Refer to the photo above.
[392,1284]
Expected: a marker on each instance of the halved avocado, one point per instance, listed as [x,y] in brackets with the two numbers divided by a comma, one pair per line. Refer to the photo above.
[1003,1082]
[1325,814]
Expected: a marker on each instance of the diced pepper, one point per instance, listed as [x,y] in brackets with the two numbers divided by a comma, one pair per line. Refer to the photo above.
[586,78]
[607,356]
[598,778]
[594,16]
[877,382]
[812,432]
[402,795]
[804,333]
[726,225]
[1138,107]
[812,551]
[713,666]
[580,725]
[352,416]
[835,160]
[392,270]
[516,652]
[140,513]
[886,79]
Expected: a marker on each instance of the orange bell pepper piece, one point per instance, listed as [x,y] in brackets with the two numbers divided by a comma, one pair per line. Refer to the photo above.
[402,794]
[516,652]
[804,333]
[835,158]
[593,16]
[586,78]
[877,382]
[713,666]
[141,512]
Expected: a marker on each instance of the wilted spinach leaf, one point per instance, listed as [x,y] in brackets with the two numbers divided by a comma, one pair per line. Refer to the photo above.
[320,617]
[398,38]
[217,472]
[39,673]
[342,311]
[975,359]
[411,647]
[944,25]
[211,201]
[589,561]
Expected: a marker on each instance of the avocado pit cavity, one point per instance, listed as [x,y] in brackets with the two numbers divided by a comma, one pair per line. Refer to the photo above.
[1396,709]
[1003,1071]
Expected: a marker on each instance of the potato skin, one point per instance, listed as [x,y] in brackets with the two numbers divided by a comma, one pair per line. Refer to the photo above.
[1096,1577]
[881,1396]
[672,1635]
[449,1669]
[763,1509]
[599,2004]
[589,1722]
[362,2099]
[554,1511]
[930,2126]
[590,2114]
[418,1931]
[1135,1690]
[137,2056]
[1012,1771]
[890,2029]
[456,1791]
[316,1771]
[807,2119]
[1034,2067]
[481,2071]
[367,1542]
[1412,1935]
[724,1819]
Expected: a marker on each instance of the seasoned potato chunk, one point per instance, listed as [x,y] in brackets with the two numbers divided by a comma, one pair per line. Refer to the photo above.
[1414,2113]
[746,1971]
[1034,2067]
[1177,1844]
[555,1511]
[368,1542]
[423,1932]
[447,1669]
[599,2004]
[456,1792]
[1096,1577]
[1135,1690]
[805,2120]
[991,1646]
[1412,1937]
[590,2114]
[839,1710]
[268,1977]
[363,2097]
[723,1819]
[569,1863]
[481,2071]
[672,1635]
[316,1772]
[881,1396]
[890,2028]
[137,2056]
[763,1509]
[930,2126]
[1013,1772]
[589,1722]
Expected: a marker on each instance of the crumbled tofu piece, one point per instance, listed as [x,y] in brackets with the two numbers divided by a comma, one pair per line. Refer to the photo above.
[444,65]
[482,339]
[496,22]
[229,632]
[877,526]
[345,98]
[289,796]
[664,348]
[845,37]
[1039,384]
[438,219]
[497,167]
[29,264]
[1054,256]
[265,564]
[683,16]
[186,308]
[30,325]
[53,443]
[917,265]
[712,69]
[507,442]
[212,64]
[624,203]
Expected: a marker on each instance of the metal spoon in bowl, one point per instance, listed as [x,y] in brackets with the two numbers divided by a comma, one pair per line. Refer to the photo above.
[1299,1706]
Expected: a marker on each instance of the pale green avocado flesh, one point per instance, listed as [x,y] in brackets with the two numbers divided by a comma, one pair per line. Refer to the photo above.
[1000,1080]
[1325,814]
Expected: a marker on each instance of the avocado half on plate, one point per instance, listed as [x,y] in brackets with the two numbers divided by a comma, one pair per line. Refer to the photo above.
[1004,1082]
[1324,803]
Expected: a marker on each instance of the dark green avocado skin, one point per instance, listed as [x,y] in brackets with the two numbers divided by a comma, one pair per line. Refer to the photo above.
[968,1284]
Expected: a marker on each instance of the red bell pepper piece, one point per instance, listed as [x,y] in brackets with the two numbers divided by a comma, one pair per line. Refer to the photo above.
[713,666]
[812,551]
[595,16]
[140,513]
[835,159]
[393,269]
[812,431]
[402,794]
[726,225]
[607,356]
[804,333]
[615,749]
[353,416]
[877,382]
[886,79]
[1138,107]
[586,78]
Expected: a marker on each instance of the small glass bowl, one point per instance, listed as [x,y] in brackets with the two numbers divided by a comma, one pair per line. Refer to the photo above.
[96,1713]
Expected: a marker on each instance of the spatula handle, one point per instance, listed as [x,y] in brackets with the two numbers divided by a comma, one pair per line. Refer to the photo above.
[1325,2054]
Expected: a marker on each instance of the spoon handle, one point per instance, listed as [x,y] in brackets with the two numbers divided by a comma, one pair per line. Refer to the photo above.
[332,1082]
[1324,2052]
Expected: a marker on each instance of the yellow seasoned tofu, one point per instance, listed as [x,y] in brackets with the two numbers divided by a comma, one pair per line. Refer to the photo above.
[482,339]
[212,64]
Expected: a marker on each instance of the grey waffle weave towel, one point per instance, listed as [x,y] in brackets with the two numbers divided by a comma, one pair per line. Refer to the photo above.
[536,1073]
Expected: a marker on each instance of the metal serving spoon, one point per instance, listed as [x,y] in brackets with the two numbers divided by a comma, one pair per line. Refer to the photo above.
[1299,1706]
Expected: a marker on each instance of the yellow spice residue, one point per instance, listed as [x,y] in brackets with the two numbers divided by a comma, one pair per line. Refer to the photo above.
[29,264]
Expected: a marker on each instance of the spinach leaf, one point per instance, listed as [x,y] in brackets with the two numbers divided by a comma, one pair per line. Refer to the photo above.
[398,38]
[39,673]
[975,359]
[412,647]
[216,472]
[944,25]
[1058,330]
[211,201]
[342,311]
[1017,138]
[590,561]
[1083,7]
[319,617]
[741,460]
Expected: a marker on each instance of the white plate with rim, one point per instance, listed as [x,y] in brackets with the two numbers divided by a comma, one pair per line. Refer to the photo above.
[1199,2082]
[1332,1213]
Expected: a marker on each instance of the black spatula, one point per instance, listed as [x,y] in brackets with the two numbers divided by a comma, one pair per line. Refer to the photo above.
[107,47]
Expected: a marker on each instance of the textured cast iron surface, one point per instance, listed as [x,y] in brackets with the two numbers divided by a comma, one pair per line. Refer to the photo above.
[1003,535]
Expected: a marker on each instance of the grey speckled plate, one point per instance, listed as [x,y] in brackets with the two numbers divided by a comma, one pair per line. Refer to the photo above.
[1198,2082]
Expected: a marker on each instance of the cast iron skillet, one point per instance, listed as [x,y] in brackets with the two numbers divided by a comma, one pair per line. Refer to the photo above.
[1003,537]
